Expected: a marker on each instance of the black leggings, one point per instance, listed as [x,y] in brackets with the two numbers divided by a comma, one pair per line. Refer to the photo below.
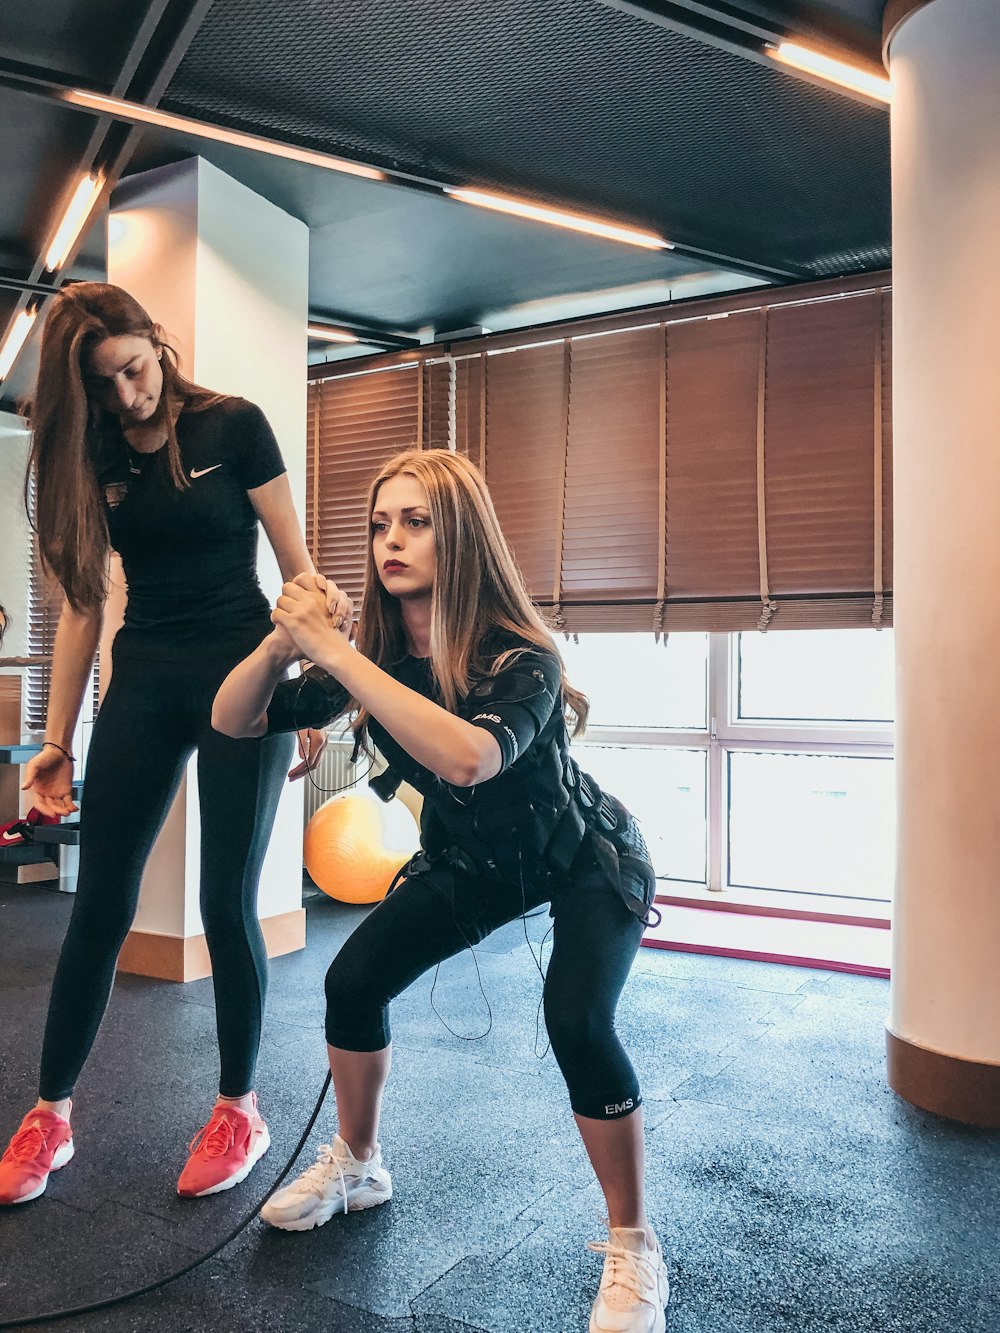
[154,716]
[437,913]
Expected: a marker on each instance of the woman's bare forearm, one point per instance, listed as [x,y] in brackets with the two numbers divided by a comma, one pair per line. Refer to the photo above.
[77,638]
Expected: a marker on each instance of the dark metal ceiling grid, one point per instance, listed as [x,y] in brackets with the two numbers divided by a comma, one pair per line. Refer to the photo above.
[569,100]
[84,42]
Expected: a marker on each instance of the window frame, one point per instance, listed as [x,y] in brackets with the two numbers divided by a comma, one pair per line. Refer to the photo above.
[724,736]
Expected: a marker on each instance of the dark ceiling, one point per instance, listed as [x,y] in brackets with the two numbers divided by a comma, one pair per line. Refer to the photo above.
[635,112]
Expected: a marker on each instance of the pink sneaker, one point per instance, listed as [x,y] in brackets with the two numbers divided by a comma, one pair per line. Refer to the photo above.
[224,1152]
[43,1143]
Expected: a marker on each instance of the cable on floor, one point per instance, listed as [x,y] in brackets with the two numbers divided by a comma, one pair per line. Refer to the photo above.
[73,1312]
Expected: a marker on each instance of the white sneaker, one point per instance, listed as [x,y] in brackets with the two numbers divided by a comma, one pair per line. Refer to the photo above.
[336,1183]
[634,1289]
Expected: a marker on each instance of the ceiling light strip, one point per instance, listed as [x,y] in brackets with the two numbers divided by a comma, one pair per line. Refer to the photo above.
[523,208]
[136,113]
[17,336]
[331,335]
[833,71]
[77,211]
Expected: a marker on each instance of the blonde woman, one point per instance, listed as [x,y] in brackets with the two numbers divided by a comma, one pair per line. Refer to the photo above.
[459,684]
[128,455]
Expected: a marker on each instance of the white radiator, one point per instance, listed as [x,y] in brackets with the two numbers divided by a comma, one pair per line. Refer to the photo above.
[333,774]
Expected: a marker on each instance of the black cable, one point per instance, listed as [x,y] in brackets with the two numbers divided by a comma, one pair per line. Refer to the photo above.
[324,791]
[479,978]
[72,1313]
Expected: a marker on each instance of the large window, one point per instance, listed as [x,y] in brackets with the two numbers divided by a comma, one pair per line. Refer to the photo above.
[753,761]
[633,682]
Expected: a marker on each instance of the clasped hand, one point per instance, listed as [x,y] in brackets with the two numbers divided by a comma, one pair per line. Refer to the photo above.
[312,616]
[316,616]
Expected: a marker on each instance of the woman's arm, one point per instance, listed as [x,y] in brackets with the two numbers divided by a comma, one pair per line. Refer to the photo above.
[450,747]
[273,505]
[50,774]
[240,707]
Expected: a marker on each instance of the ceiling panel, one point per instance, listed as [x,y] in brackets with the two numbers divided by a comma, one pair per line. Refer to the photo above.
[401,259]
[569,100]
[85,40]
[40,150]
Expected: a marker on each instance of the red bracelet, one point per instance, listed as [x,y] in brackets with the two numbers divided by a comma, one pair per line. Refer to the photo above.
[56,746]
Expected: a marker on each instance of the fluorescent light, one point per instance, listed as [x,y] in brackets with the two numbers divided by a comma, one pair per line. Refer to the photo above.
[330,335]
[136,113]
[834,71]
[573,221]
[17,336]
[77,212]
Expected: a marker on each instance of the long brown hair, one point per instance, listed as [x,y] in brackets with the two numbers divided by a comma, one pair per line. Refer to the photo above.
[478,588]
[66,426]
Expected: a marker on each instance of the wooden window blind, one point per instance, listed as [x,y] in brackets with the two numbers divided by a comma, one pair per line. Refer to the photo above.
[356,422]
[524,457]
[612,533]
[720,465]
[453,407]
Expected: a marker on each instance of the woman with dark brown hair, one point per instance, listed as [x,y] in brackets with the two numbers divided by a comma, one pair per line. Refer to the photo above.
[129,456]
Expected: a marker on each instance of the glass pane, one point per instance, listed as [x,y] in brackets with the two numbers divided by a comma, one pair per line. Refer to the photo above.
[633,681]
[812,824]
[824,675]
[665,790]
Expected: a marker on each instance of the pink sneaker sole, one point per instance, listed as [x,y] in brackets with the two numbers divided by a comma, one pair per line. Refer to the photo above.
[259,1149]
[63,1155]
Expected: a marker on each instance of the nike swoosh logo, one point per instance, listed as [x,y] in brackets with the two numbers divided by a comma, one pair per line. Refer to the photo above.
[200,471]
[12,837]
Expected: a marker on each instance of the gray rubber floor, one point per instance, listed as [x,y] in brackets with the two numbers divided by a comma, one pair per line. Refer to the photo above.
[791,1190]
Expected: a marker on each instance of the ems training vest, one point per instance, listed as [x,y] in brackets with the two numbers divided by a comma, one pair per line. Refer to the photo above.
[529,821]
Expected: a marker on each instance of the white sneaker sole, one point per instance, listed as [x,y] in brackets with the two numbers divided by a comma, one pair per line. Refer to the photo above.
[260,1148]
[659,1324]
[64,1155]
[367,1196]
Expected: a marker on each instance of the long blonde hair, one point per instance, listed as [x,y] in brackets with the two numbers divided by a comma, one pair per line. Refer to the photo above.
[66,427]
[478,588]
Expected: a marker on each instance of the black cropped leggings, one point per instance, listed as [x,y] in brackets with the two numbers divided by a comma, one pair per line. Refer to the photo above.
[154,716]
[437,913]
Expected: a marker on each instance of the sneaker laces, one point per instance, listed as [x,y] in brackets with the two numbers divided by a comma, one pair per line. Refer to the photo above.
[26,1144]
[316,1178]
[216,1138]
[634,1275]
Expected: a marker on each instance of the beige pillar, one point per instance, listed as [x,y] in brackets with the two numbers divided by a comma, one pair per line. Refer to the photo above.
[944,1028]
[226,274]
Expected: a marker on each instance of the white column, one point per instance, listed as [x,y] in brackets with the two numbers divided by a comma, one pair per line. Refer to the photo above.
[944,1029]
[225,273]
[15,550]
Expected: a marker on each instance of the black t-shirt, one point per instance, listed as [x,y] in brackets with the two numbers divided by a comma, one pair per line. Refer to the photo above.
[190,556]
[508,818]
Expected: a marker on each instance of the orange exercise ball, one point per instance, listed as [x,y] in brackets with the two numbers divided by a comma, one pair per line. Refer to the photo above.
[355,844]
